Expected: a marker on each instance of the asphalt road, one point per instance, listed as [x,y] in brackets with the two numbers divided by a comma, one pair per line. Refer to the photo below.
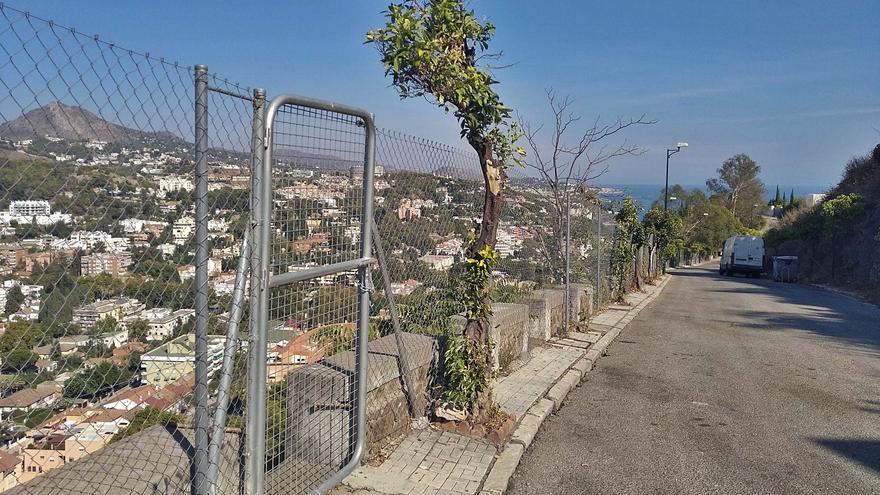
[723,385]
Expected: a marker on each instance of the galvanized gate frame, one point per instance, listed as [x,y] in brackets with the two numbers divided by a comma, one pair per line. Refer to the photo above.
[262,282]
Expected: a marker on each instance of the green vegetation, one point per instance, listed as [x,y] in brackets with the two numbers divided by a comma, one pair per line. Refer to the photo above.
[666,229]
[630,235]
[99,381]
[19,335]
[145,418]
[739,186]
[837,241]
[18,360]
[14,300]
[431,51]
[31,419]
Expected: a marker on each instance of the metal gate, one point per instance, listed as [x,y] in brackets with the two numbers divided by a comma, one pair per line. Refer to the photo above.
[313,198]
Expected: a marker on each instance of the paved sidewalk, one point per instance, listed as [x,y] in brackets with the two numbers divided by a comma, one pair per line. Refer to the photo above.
[432,462]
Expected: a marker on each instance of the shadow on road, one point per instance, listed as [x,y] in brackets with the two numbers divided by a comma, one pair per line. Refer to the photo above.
[816,311]
[864,452]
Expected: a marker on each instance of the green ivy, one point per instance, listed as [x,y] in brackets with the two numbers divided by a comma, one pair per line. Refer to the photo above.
[630,235]
[475,289]
[465,372]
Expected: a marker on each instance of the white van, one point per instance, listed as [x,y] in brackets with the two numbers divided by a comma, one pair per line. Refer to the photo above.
[742,254]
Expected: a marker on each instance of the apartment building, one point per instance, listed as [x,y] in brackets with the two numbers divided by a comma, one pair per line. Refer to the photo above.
[114,264]
[57,449]
[162,327]
[169,362]
[87,316]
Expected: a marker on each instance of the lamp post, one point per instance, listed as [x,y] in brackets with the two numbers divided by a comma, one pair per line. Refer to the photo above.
[669,153]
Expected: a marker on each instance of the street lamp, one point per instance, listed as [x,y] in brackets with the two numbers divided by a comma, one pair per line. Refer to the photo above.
[669,153]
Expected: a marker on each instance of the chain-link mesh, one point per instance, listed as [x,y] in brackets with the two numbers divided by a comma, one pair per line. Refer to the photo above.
[317,215]
[98,259]
[97,264]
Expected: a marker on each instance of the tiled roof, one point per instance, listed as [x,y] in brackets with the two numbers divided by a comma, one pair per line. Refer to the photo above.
[8,462]
[152,462]
[26,397]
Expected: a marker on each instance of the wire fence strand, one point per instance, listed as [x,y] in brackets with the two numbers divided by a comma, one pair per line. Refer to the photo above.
[98,265]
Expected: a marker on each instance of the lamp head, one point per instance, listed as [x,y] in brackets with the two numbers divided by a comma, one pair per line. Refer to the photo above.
[681,145]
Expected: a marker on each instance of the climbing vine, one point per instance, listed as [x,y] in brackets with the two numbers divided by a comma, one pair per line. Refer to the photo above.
[431,50]
[467,368]
[629,236]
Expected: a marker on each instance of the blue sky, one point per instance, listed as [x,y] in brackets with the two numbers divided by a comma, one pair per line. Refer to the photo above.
[794,84]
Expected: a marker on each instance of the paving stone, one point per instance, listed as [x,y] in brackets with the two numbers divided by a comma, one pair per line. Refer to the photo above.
[432,462]
[498,478]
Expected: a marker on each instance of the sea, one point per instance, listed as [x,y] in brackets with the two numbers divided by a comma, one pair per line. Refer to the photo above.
[645,194]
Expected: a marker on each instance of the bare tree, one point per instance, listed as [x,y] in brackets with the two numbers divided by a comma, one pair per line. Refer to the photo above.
[571,159]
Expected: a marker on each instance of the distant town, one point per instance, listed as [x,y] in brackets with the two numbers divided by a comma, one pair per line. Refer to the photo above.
[96,260]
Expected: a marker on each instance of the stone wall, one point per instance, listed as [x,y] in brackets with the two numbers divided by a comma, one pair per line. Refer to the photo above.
[581,303]
[508,329]
[319,401]
[546,311]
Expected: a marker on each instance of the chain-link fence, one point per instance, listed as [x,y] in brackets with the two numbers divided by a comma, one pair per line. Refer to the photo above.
[99,220]
[189,317]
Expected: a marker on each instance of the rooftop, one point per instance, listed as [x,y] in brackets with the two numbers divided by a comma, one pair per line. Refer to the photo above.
[154,461]
[28,396]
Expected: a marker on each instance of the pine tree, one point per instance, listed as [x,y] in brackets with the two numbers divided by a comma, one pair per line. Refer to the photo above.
[779,201]
[791,198]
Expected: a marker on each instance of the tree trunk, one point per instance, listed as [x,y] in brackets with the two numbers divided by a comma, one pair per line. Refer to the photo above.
[493,180]
[637,268]
[478,330]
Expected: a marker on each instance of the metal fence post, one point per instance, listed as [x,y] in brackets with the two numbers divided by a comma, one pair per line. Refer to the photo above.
[598,254]
[256,394]
[395,322]
[200,456]
[229,351]
[567,324]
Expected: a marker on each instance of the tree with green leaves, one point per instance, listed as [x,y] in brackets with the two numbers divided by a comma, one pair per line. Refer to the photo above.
[99,381]
[630,235]
[14,300]
[138,330]
[145,418]
[105,325]
[666,228]
[432,50]
[20,334]
[18,360]
[740,186]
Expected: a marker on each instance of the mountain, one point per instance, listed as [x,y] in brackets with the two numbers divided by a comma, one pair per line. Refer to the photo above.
[73,123]
[294,158]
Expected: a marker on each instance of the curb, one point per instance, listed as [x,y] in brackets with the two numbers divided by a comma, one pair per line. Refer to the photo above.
[502,470]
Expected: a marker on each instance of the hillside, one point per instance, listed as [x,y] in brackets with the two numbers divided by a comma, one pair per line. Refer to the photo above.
[838,241]
[73,123]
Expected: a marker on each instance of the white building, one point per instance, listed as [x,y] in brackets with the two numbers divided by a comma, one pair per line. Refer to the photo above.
[114,339]
[132,225]
[183,230]
[175,183]
[173,360]
[37,212]
[82,240]
[813,199]
[163,327]
[438,261]
[29,208]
